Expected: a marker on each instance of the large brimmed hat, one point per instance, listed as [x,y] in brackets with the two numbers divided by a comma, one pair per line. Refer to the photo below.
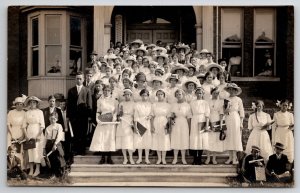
[156,78]
[20,99]
[111,57]
[279,145]
[234,86]
[137,41]
[204,51]
[214,65]
[173,76]
[200,75]
[143,49]
[160,70]
[163,50]
[191,80]
[183,46]
[162,55]
[32,98]
[151,46]
[130,58]
[179,67]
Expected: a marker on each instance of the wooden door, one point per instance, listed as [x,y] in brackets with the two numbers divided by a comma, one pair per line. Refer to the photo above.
[144,35]
[166,36]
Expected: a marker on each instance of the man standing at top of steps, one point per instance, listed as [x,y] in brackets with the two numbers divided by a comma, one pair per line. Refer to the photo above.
[79,108]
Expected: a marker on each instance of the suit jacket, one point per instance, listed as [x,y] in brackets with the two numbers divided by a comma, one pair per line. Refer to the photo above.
[279,166]
[250,167]
[79,105]
[90,86]
[46,112]
[15,163]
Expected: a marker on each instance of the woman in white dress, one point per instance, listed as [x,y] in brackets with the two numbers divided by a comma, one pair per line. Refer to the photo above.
[15,132]
[259,122]
[140,79]
[215,118]
[190,86]
[97,75]
[208,85]
[156,84]
[124,134]
[181,127]
[234,116]
[160,137]
[283,129]
[34,125]
[143,116]
[199,126]
[104,135]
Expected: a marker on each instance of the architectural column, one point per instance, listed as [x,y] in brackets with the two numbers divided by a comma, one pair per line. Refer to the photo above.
[106,36]
[199,33]
[208,28]
[99,29]
[119,28]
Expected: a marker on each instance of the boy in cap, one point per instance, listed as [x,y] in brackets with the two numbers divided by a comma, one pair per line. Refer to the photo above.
[250,162]
[14,164]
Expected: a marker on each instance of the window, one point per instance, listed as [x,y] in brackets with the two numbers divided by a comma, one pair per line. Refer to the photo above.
[53,44]
[35,47]
[75,58]
[264,42]
[232,39]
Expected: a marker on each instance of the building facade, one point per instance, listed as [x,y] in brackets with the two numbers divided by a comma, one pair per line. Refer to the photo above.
[46,43]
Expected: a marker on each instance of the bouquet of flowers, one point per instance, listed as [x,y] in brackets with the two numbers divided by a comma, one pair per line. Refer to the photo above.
[171,121]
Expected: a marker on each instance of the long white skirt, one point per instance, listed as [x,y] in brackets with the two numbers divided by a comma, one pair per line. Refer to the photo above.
[124,134]
[35,154]
[180,134]
[160,140]
[104,138]
[285,136]
[233,140]
[261,139]
[145,141]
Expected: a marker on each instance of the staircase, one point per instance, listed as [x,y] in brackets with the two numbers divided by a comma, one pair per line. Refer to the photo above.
[87,172]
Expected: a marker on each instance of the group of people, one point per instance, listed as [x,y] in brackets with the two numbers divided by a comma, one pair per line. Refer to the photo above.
[143,98]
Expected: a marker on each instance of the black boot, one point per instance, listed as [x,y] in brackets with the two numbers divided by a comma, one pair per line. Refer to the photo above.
[109,160]
[199,157]
[102,161]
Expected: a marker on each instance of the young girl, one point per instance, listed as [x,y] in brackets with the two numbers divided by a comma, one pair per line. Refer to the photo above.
[104,135]
[199,126]
[143,115]
[171,89]
[160,137]
[283,128]
[208,85]
[53,135]
[181,127]
[223,93]
[259,122]
[190,87]
[140,79]
[234,116]
[156,84]
[215,118]
[33,126]
[124,134]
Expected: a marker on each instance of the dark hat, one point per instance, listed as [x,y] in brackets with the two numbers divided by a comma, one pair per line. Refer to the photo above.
[88,71]
[59,97]
[279,146]
[93,53]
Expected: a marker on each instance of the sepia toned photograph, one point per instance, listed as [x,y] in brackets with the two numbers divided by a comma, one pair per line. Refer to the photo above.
[150,96]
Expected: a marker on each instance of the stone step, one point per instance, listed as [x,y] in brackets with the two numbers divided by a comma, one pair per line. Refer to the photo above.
[92,177]
[117,159]
[116,168]
[154,184]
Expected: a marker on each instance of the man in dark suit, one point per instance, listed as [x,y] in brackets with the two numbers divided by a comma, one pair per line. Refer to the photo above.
[278,165]
[250,162]
[52,108]
[79,112]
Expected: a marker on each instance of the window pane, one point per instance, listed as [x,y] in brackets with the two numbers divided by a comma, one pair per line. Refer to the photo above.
[75,30]
[231,25]
[264,61]
[52,29]
[75,63]
[35,62]
[53,59]
[264,25]
[35,32]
